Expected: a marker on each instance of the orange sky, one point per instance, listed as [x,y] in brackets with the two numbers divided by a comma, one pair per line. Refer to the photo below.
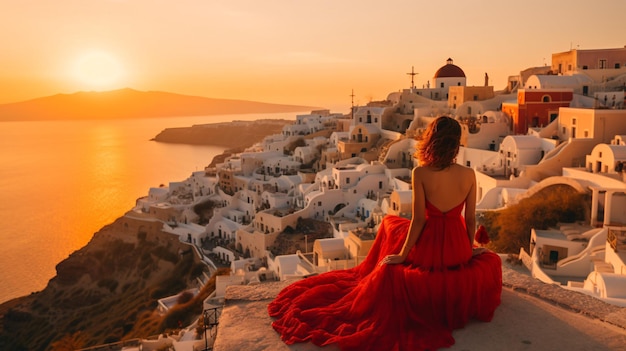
[285,51]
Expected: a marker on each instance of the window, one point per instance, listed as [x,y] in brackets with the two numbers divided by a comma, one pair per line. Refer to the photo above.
[617,65]
[585,67]
[586,133]
[546,98]
[348,180]
[554,257]
[475,97]
[573,121]
[442,85]
[602,64]
[319,203]
[380,185]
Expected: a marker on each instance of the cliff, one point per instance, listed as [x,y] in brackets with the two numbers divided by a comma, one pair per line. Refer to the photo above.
[106,291]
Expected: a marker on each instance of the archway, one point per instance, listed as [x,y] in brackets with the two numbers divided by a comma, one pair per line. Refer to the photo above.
[338,207]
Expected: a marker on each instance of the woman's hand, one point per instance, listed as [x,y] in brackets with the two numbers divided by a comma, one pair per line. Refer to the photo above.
[478,250]
[392,259]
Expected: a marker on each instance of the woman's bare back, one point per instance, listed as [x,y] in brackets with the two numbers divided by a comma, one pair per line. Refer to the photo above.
[447,188]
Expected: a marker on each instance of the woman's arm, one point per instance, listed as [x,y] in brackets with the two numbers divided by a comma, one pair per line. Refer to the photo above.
[418,219]
[470,216]
[470,209]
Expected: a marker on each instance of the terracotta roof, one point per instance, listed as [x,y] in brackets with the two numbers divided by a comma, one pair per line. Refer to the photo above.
[449,70]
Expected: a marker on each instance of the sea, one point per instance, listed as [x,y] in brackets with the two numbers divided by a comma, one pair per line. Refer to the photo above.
[61,181]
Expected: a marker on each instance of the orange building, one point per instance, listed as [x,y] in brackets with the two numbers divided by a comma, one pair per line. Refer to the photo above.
[536,108]
[581,60]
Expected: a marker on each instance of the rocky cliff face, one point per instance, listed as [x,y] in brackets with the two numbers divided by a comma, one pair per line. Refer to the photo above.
[104,292]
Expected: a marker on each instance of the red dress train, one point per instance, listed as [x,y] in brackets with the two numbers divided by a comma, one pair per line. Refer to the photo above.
[411,306]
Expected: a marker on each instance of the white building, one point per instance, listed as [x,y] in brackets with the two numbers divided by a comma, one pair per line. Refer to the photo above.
[445,77]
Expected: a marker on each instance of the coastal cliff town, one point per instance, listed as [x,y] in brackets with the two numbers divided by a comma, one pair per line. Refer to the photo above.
[563,124]
[309,199]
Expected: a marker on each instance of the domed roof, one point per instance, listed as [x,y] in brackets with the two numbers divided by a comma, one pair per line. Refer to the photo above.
[450,70]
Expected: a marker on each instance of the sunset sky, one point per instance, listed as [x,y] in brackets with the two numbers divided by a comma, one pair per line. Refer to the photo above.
[286,51]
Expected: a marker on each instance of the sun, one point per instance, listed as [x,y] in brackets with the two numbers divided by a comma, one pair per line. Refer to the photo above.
[98,70]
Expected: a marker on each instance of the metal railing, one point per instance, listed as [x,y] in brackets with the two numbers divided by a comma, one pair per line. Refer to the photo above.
[210,321]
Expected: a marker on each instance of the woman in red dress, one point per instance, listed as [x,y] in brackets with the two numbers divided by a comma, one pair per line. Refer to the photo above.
[422,278]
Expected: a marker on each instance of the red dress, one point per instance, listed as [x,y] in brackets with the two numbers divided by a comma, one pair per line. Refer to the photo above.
[410,306]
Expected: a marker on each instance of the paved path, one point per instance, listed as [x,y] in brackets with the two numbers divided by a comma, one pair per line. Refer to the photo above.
[523,322]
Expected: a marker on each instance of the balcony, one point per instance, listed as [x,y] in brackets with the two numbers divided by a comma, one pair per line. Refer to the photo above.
[616,237]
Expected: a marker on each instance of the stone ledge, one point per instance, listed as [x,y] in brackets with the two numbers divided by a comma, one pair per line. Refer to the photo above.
[519,281]
[245,324]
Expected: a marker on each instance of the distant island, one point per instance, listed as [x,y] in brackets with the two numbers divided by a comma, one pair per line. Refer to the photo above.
[130,103]
[233,135]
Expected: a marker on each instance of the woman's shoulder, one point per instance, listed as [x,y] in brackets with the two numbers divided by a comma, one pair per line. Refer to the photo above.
[457,168]
[460,168]
[422,170]
[464,172]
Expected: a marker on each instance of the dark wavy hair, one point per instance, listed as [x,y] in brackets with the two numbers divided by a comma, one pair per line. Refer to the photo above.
[440,143]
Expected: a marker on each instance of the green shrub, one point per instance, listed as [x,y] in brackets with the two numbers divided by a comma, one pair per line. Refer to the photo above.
[509,228]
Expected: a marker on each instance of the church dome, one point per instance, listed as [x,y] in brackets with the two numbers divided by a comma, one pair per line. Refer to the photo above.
[450,70]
